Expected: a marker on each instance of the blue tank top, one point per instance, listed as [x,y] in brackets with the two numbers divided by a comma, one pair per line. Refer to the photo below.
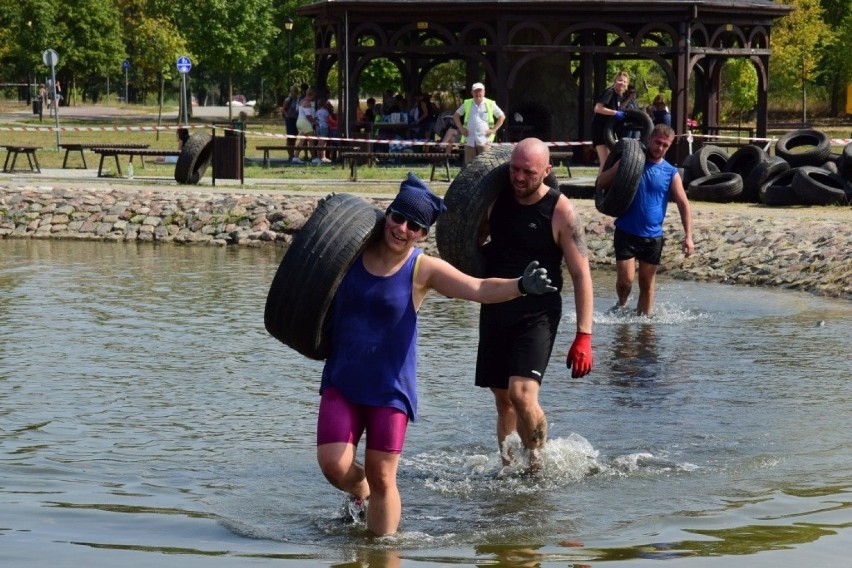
[373,355]
[645,216]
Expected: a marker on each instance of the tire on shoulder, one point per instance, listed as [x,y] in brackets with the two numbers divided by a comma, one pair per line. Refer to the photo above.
[194,158]
[300,299]
[467,199]
[617,199]
[635,119]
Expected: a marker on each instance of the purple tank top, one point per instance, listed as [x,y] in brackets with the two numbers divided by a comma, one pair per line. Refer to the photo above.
[373,358]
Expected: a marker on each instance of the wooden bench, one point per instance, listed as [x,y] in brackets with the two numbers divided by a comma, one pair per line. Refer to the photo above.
[79,147]
[116,151]
[371,158]
[565,158]
[13,151]
[268,148]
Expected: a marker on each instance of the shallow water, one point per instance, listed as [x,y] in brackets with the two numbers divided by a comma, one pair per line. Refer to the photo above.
[148,419]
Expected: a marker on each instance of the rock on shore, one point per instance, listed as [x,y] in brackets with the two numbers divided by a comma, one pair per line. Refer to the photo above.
[807,249]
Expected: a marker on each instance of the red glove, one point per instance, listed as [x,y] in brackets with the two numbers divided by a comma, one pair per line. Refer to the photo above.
[580,357]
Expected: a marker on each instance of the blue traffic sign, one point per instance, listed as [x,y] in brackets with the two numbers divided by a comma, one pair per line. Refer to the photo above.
[184,64]
[125,65]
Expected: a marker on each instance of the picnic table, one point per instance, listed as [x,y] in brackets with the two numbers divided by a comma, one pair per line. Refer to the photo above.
[12,152]
[116,151]
[80,146]
[371,158]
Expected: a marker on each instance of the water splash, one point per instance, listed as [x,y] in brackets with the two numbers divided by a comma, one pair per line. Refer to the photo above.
[664,314]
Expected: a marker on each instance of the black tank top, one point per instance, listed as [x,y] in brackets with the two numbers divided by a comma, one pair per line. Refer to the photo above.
[521,234]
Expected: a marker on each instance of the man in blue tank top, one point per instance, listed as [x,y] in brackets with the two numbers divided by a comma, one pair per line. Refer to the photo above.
[527,221]
[369,381]
[639,232]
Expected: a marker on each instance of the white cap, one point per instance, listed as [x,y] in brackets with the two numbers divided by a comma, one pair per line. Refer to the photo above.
[477,86]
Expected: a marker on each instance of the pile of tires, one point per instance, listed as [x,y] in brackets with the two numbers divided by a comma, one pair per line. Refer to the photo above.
[803,171]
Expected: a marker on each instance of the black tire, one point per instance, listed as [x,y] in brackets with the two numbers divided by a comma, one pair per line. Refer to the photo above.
[777,191]
[617,199]
[804,147]
[815,186]
[830,166]
[467,199]
[299,301]
[194,158]
[745,160]
[709,159]
[634,119]
[721,187]
[763,172]
[844,163]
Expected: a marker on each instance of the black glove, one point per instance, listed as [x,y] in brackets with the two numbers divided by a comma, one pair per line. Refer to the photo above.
[535,280]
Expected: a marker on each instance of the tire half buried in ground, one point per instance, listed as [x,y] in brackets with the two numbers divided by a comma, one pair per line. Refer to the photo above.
[468,199]
[299,302]
[194,158]
[615,200]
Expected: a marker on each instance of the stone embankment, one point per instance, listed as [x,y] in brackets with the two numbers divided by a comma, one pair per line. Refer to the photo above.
[800,248]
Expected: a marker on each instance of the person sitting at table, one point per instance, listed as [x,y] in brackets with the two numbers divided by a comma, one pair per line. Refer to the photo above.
[370,112]
[421,117]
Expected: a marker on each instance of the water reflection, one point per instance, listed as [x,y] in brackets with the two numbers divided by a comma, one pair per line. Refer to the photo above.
[144,410]
[635,360]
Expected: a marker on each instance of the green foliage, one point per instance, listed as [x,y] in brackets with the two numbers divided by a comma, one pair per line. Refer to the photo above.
[797,40]
[378,75]
[739,87]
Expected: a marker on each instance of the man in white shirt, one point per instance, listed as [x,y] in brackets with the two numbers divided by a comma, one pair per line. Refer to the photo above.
[478,119]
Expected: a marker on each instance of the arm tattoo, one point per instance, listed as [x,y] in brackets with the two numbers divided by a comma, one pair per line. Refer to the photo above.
[578,233]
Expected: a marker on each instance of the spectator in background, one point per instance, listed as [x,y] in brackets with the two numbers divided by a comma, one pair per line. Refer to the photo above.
[290,110]
[333,131]
[322,131]
[478,119]
[660,113]
[422,117]
[370,112]
[607,105]
[630,103]
[305,124]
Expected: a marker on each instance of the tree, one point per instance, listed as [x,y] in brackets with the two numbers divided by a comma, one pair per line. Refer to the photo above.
[92,43]
[796,43]
[837,64]
[27,28]
[739,86]
[230,36]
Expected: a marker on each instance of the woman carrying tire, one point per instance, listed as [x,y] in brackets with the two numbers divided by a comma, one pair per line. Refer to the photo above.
[607,105]
[639,231]
[368,382]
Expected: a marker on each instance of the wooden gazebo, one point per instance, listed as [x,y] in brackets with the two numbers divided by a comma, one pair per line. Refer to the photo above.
[548,54]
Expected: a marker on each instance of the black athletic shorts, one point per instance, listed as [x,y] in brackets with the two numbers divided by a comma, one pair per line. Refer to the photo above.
[515,341]
[647,249]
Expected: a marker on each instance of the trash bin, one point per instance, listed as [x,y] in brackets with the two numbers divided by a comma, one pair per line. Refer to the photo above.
[228,157]
[37,107]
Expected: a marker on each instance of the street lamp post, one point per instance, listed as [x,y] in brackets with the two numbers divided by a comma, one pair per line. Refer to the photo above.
[288,25]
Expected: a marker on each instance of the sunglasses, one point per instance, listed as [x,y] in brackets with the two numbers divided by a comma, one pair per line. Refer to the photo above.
[399,219]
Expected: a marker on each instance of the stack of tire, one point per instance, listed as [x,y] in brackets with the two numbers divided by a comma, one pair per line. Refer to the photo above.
[803,171]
